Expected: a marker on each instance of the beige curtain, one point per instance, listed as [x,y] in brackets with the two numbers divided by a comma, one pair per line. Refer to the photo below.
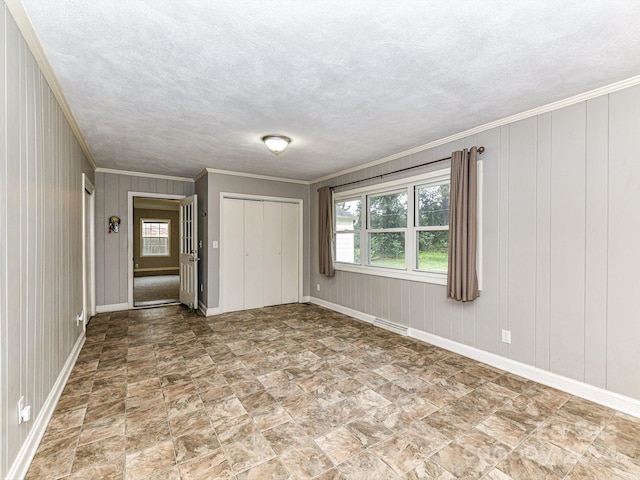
[462,280]
[325,231]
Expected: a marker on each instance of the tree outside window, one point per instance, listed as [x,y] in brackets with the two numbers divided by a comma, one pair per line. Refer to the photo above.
[432,227]
[387,229]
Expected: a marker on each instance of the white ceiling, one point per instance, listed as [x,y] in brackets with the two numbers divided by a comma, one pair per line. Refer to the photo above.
[173,86]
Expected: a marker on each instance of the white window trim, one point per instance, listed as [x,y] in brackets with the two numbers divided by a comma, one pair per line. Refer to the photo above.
[408,183]
[154,220]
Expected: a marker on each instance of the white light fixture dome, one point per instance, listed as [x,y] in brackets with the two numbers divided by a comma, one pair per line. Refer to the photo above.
[276,143]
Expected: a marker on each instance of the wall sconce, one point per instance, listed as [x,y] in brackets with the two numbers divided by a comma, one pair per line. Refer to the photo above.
[114,222]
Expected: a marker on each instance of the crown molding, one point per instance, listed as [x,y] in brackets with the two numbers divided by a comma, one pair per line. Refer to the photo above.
[200,175]
[141,174]
[23,22]
[251,175]
[582,97]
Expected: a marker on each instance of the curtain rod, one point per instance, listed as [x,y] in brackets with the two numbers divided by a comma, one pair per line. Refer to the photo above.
[480,150]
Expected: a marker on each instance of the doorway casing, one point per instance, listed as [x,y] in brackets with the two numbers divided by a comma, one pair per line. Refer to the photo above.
[88,251]
[131,196]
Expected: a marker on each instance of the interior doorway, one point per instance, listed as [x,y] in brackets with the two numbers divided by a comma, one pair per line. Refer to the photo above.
[88,253]
[155,251]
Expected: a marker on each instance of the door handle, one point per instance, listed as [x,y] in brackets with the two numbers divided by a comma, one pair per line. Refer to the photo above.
[194,259]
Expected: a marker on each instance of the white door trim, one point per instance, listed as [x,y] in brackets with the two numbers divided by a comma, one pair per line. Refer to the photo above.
[264,198]
[88,264]
[130,197]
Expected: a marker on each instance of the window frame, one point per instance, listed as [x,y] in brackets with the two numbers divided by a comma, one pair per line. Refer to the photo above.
[426,228]
[142,237]
[368,230]
[410,185]
[354,231]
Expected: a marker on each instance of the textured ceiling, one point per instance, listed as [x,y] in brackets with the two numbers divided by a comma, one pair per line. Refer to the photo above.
[173,86]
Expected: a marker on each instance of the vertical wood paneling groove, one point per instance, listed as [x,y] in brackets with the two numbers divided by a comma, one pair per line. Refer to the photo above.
[41,284]
[543,232]
[623,334]
[4,312]
[503,260]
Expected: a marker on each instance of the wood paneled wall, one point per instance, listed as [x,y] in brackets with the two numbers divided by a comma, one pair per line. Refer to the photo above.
[41,166]
[112,257]
[561,211]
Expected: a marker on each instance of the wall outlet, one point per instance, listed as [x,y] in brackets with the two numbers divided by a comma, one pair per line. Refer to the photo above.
[215,244]
[24,411]
[506,336]
[318,287]
[20,408]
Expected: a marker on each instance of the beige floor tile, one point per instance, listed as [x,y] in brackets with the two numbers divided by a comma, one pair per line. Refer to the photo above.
[161,394]
[213,465]
[366,466]
[339,444]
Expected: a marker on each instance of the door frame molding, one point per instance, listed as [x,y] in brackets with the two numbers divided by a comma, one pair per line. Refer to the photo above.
[130,197]
[88,267]
[263,198]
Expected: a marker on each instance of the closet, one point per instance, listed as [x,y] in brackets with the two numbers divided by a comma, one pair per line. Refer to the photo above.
[259,253]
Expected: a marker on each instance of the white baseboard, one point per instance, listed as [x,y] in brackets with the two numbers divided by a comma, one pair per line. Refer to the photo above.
[114,307]
[599,395]
[365,317]
[31,443]
[209,312]
[305,299]
[156,269]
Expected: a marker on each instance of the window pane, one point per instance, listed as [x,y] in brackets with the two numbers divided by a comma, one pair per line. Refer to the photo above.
[347,215]
[433,250]
[348,247]
[155,238]
[388,211]
[433,205]
[387,249]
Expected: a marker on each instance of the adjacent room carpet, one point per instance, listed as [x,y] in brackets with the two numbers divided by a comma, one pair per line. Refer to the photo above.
[156,290]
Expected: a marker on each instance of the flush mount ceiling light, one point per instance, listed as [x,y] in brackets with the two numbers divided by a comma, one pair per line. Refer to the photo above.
[276,143]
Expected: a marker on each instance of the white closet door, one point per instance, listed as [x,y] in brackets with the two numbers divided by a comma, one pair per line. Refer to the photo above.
[253,257]
[272,251]
[232,243]
[290,254]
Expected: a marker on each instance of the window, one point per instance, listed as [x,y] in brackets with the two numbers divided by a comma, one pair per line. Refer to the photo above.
[347,228]
[398,229]
[432,227]
[387,229]
[155,238]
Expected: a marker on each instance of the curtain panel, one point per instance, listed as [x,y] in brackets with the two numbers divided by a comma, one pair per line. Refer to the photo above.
[462,279]
[325,231]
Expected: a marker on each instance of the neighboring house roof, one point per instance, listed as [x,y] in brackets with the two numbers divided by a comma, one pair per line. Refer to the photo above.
[342,213]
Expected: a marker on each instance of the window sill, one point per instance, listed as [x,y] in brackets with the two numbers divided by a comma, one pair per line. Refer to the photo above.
[414,276]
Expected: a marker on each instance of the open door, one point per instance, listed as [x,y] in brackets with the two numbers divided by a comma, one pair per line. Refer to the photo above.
[189,251]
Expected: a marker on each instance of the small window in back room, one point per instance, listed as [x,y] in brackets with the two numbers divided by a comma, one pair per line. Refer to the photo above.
[156,241]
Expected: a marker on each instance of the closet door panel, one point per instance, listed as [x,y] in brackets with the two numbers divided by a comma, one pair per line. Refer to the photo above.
[290,253]
[272,253]
[232,243]
[253,255]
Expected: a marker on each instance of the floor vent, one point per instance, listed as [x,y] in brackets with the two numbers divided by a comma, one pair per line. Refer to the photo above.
[394,327]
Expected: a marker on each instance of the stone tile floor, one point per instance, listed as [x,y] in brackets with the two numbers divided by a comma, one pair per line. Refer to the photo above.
[300,392]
